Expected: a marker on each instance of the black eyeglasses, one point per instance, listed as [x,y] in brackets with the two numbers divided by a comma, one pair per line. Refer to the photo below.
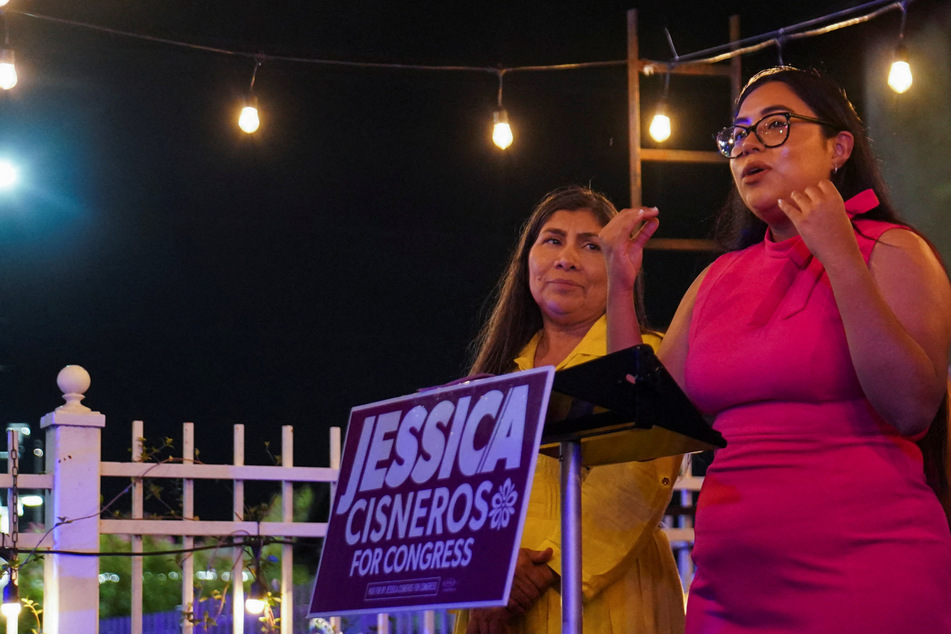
[772,131]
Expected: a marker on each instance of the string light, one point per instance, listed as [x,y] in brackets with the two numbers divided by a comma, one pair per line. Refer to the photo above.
[501,130]
[11,598]
[8,71]
[660,125]
[899,76]
[249,121]
[9,175]
[257,597]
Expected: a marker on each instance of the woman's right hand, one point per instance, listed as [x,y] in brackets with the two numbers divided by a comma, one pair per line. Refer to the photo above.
[623,240]
[489,621]
[532,578]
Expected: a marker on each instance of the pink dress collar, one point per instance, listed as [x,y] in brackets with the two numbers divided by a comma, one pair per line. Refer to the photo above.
[800,260]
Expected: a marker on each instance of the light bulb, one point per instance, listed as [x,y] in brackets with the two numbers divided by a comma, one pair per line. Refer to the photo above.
[249,121]
[8,72]
[254,606]
[9,174]
[660,127]
[257,598]
[899,77]
[11,600]
[11,609]
[501,130]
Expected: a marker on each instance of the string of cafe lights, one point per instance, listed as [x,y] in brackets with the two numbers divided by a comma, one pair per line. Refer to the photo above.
[249,120]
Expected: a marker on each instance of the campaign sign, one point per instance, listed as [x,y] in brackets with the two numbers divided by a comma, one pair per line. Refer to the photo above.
[431,498]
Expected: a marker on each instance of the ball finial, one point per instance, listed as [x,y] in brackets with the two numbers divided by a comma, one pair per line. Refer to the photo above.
[73,380]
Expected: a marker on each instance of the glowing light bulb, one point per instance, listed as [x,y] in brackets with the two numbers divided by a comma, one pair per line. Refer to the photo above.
[11,600]
[501,130]
[660,127]
[9,174]
[257,598]
[10,609]
[31,500]
[249,121]
[899,77]
[254,606]
[8,71]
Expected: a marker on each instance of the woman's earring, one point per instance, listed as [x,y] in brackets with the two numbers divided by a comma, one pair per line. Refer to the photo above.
[835,169]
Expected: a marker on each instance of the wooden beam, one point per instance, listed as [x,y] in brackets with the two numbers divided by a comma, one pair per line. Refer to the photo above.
[649,67]
[682,156]
[633,109]
[681,244]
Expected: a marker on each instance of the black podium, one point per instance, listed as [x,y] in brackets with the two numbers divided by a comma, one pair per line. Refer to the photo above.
[597,416]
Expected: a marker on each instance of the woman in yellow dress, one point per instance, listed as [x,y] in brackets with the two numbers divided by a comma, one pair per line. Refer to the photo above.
[550,310]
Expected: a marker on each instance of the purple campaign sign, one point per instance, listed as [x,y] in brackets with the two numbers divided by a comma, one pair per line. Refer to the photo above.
[431,499]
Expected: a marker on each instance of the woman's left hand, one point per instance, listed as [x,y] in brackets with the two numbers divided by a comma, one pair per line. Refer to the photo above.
[819,215]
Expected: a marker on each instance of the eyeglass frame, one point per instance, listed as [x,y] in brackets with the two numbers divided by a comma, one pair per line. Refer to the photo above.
[752,128]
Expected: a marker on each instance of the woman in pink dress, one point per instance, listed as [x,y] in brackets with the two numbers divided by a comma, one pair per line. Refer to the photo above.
[820,345]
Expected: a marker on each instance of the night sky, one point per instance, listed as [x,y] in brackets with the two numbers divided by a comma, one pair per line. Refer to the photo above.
[344,253]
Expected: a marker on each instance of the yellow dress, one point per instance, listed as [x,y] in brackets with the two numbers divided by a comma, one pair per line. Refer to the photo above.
[629,577]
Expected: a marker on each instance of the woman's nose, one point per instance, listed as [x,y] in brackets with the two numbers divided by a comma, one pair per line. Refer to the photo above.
[567,259]
[750,143]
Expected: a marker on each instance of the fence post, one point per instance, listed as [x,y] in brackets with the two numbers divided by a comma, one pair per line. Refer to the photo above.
[73,445]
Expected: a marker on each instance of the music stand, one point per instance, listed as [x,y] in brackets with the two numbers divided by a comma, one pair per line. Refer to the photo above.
[597,416]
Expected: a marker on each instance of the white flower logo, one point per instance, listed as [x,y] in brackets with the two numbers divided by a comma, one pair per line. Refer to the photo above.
[503,505]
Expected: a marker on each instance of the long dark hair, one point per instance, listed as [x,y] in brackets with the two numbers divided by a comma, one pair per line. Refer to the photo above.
[738,228]
[515,316]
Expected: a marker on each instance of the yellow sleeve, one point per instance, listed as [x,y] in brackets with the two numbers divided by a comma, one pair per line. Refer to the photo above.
[621,509]
[622,506]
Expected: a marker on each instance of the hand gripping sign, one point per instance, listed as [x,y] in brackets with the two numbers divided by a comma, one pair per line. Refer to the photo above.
[431,499]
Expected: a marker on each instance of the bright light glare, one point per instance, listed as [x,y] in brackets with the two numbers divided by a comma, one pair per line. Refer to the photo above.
[254,606]
[9,174]
[4,3]
[502,135]
[8,75]
[660,127]
[249,120]
[899,77]
[10,609]
[31,500]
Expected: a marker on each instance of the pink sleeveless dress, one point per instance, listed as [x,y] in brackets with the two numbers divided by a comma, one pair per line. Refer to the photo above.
[816,517]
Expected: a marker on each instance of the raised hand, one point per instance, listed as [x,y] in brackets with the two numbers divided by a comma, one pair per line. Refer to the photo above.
[819,215]
[623,240]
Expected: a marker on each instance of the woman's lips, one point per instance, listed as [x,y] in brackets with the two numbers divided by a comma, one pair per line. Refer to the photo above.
[753,171]
[563,282]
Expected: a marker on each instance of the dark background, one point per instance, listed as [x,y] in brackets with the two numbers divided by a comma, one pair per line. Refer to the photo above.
[343,254]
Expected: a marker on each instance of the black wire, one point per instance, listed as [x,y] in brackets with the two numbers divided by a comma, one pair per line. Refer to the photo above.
[709,55]
[176,551]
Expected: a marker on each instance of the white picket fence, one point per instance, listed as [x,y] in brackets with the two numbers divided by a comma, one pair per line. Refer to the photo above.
[72,486]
